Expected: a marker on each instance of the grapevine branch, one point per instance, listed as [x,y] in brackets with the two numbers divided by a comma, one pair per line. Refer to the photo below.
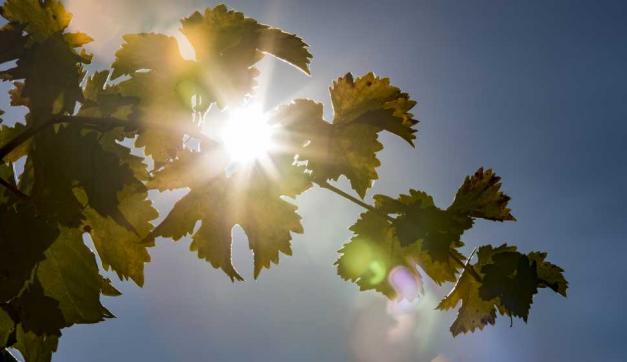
[98,123]
[457,260]
[11,187]
[107,123]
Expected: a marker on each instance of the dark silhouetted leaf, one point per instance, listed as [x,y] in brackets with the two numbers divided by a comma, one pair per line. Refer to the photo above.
[69,274]
[38,313]
[7,326]
[549,275]
[36,348]
[7,134]
[509,281]
[24,236]
[46,57]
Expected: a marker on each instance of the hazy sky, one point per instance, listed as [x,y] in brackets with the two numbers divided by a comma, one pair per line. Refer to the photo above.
[536,90]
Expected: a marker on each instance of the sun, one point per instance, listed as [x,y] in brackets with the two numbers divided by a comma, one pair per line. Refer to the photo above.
[247,135]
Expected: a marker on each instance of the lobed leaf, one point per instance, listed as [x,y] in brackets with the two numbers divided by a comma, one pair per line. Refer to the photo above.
[228,44]
[69,274]
[250,198]
[36,348]
[509,279]
[480,197]
[375,251]
[24,237]
[46,56]
[348,146]
[120,248]
[7,327]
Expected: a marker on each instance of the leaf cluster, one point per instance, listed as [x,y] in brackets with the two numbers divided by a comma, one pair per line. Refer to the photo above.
[85,178]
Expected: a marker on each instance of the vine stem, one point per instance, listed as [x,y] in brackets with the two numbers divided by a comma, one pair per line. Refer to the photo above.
[466,266]
[353,199]
[9,186]
[111,122]
[99,123]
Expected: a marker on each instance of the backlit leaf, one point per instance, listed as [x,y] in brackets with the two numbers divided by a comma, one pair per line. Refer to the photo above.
[480,197]
[550,275]
[509,279]
[9,133]
[363,107]
[38,312]
[41,18]
[228,44]
[7,326]
[36,348]
[250,199]
[69,274]
[24,237]
[119,247]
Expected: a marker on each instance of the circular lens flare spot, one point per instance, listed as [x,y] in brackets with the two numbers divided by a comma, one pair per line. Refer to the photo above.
[406,284]
[247,135]
[378,271]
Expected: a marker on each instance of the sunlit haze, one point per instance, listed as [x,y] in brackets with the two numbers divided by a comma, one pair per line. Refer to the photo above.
[247,136]
[533,89]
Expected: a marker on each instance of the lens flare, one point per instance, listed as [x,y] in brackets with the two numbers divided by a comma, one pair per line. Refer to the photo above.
[378,272]
[406,284]
[247,135]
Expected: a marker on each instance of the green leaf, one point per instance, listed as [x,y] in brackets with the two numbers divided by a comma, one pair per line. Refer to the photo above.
[52,73]
[12,42]
[475,312]
[149,51]
[120,248]
[376,248]
[509,279]
[227,45]
[46,56]
[171,90]
[69,274]
[373,100]
[73,158]
[108,289]
[513,280]
[371,255]
[103,100]
[24,236]
[7,327]
[549,275]
[41,19]
[251,199]
[165,109]
[36,348]
[419,219]
[347,147]
[6,174]
[38,313]
[7,134]
[480,197]
[77,39]
[285,46]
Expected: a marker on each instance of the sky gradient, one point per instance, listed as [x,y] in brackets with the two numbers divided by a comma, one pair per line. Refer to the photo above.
[535,90]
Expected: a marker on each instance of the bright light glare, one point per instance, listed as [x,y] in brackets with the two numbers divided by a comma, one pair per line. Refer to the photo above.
[247,136]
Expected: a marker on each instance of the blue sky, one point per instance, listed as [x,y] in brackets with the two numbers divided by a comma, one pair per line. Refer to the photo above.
[536,90]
